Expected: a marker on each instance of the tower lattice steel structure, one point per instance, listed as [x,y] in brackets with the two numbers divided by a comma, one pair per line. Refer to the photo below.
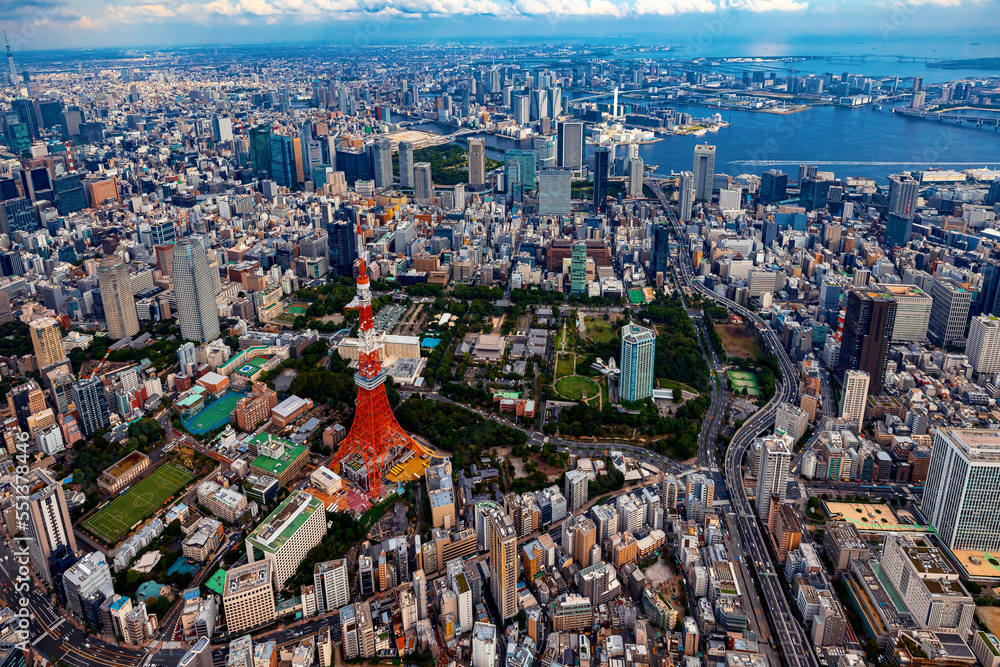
[375,431]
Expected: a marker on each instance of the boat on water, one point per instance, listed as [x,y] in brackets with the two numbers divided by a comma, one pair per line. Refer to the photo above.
[713,128]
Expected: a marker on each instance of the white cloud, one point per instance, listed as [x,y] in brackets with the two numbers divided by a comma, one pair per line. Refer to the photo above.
[671,7]
[767,5]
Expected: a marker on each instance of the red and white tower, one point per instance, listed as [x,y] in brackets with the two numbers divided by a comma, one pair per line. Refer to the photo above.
[375,431]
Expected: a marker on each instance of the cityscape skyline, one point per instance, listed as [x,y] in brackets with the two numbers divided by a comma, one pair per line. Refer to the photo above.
[705,25]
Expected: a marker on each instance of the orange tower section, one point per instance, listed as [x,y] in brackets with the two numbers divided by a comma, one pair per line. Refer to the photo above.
[375,431]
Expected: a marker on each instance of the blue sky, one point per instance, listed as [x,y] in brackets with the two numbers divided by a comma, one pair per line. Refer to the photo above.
[48,24]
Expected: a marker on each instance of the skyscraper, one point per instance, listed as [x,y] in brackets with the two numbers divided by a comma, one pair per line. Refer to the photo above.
[503,563]
[46,338]
[287,168]
[659,260]
[477,160]
[423,186]
[405,164]
[704,171]
[897,229]
[222,128]
[686,185]
[554,190]
[963,489]
[852,409]
[578,268]
[520,109]
[868,324]
[983,346]
[197,312]
[333,589]
[382,162]
[48,524]
[519,167]
[260,149]
[602,166]
[902,195]
[92,406]
[772,480]
[949,312]
[570,144]
[638,350]
[773,186]
[116,293]
[636,171]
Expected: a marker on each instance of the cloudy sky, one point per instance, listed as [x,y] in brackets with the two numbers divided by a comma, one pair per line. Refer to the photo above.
[48,24]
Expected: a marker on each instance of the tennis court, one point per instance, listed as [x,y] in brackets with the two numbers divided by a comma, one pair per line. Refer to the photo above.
[740,380]
[116,520]
[214,415]
[296,310]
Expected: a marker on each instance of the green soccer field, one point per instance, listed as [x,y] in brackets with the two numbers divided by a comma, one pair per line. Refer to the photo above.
[116,520]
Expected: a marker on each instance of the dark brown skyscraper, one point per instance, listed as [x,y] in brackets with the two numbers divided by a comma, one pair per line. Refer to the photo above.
[868,322]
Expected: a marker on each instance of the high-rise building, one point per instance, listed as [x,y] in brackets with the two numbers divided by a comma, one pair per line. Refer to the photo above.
[602,167]
[17,215]
[579,535]
[949,312]
[520,167]
[333,588]
[578,268]
[48,526]
[249,596]
[92,406]
[704,171]
[772,480]
[382,162]
[700,496]
[197,312]
[222,128]
[555,190]
[503,563]
[90,574]
[287,534]
[576,490]
[287,167]
[116,293]
[686,185]
[897,229]
[570,144]
[423,187]
[405,164]
[852,409]
[773,186]
[46,338]
[484,645]
[659,258]
[260,149]
[913,312]
[902,195]
[868,324]
[963,489]
[636,171]
[983,346]
[477,160]
[638,351]
[520,107]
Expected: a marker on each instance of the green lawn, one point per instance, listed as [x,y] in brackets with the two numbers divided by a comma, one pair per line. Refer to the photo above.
[740,380]
[599,330]
[564,365]
[573,388]
[116,520]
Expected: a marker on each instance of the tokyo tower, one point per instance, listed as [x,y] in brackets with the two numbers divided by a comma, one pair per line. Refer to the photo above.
[375,431]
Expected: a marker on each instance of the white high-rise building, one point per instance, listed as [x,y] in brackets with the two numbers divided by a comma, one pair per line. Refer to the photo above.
[333,589]
[91,573]
[197,312]
[576,489]
[637,353]
[983,346]
[288,533]
[484,645]
[704,171]
[963,489]
[855,397]
[772,480]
